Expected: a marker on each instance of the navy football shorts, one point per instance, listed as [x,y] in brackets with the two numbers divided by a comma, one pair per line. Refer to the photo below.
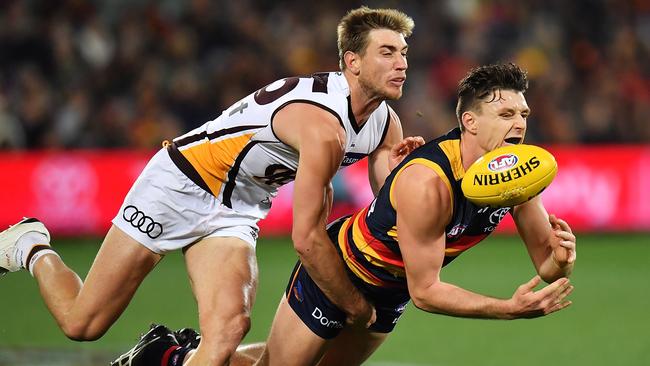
[324,318]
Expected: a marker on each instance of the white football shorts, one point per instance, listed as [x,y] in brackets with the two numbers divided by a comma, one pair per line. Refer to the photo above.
[165,210]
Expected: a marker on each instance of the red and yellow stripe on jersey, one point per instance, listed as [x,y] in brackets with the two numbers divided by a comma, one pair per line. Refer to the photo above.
[364,253]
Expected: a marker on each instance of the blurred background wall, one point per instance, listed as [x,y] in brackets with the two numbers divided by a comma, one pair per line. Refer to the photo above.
[118,77]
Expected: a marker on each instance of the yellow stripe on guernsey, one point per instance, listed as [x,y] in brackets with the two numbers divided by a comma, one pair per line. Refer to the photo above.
[213,159]
[365,241]
[354,266]
[452,252]
[393,232]
[451,148]
[429,164]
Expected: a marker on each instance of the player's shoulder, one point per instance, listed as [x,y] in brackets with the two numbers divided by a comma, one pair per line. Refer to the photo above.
[423,188]
[428,163]
[325,90]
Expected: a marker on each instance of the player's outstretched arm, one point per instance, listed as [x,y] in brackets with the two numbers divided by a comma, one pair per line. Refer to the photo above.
[550,242]
[423,204]
[320,140]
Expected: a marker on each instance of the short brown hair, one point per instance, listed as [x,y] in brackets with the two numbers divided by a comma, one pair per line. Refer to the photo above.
[354,27]
[483,81]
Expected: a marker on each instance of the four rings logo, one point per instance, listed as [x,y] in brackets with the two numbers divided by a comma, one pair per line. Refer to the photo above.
[142,222]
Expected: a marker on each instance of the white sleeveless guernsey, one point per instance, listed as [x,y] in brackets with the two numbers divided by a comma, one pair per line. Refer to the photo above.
[238,158]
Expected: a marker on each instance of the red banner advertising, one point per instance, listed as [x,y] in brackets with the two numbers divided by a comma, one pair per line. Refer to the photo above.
[73,193]
[78,192]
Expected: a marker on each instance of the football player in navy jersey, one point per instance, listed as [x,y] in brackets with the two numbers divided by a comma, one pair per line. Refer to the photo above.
[419,222]
[206,190]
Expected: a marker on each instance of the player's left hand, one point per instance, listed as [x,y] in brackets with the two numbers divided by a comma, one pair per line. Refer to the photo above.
[564,245]
[399,151]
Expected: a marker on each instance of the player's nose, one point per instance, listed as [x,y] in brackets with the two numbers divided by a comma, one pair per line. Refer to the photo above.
[401,63]
[520,122]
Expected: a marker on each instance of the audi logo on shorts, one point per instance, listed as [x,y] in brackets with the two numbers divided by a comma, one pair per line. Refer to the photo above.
[142,222]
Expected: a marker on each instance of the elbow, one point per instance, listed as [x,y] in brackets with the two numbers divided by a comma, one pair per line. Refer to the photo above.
[421,301]
[426,305]
[301,243]
[82,332]
[429,297]
[311,243]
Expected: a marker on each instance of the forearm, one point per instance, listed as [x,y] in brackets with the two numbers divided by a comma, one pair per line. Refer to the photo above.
[326,268]
[329,201]
[378,170]
[448,299]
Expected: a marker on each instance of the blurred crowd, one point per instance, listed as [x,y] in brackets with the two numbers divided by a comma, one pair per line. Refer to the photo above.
[131,73]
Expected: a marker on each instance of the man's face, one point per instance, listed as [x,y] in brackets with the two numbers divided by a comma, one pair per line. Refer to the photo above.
[383,65]
[501,121]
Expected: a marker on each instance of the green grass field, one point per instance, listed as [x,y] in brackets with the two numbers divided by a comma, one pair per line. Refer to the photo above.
[608,324]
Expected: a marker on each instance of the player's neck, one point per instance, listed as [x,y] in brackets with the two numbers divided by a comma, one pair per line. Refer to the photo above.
[470,150]
[363,101]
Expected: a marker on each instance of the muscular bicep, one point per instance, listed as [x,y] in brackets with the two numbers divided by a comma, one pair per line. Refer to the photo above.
[423,211]
[319,140]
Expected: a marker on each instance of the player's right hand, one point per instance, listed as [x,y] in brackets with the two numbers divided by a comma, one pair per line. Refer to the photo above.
[364,315]
[528,303]
[401,149]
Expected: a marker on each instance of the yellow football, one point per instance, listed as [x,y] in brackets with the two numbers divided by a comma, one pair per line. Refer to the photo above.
[509,176]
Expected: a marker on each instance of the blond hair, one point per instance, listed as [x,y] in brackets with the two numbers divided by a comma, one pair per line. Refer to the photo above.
[354,27]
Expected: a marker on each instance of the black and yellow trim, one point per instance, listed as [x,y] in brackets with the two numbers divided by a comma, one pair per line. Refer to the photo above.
[429,164]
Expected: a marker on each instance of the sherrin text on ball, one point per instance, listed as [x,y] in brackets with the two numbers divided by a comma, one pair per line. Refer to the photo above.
[509,176]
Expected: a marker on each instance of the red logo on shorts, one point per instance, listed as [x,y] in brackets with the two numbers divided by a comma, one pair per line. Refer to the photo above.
[503,162]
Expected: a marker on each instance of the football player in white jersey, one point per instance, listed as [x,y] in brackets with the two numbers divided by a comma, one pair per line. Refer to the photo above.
[205,192]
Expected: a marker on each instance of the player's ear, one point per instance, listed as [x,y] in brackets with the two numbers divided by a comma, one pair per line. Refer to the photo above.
[468,119]
[352,62]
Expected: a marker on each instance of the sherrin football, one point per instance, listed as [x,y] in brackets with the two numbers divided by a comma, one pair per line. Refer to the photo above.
[509,176]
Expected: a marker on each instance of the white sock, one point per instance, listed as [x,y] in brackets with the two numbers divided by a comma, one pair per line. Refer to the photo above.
[38,255]
[27,242]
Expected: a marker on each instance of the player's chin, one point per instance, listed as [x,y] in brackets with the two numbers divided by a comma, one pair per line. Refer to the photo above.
[393,93]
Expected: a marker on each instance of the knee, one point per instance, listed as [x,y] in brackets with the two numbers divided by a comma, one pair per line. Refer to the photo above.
[220,338]
[238,326]
[227,332]
[82,331]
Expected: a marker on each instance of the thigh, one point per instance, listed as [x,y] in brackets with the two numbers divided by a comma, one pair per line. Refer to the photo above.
[291,342]
[309,317]
[352,346]
[119,267]
[223,275]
